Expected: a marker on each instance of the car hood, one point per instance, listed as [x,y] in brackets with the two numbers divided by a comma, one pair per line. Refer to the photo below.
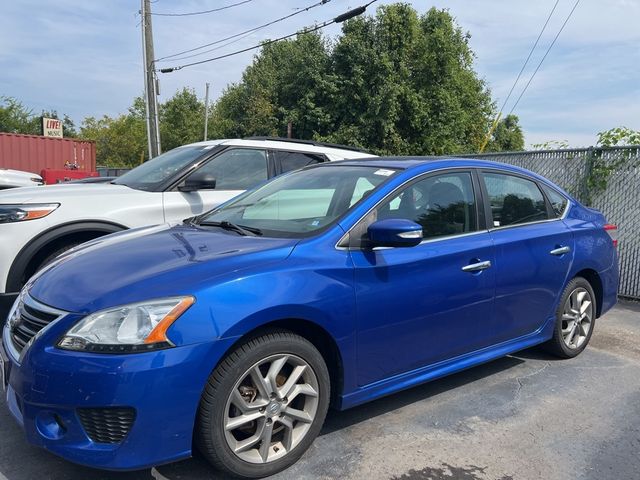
[148,263]
[60,192]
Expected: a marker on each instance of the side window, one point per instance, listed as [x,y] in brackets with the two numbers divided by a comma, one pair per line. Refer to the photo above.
[295,160]
[558,201]
[442,204]
[514,200]
[238,169]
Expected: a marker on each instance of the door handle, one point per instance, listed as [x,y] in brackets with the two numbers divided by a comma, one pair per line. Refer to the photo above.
[476,267]
[560,251]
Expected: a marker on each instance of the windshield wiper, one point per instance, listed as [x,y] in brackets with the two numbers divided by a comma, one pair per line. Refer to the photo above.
[242,230]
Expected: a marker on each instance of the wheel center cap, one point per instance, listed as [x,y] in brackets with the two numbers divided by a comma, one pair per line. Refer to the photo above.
[273,409]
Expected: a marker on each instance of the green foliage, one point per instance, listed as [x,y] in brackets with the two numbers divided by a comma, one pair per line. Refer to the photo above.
[618,136]
[507,136]
[120,141]
[181,120]
[16,118]
[397,83]
[601,167]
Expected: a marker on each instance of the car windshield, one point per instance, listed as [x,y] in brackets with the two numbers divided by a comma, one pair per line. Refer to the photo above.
[152,174]
[300,203]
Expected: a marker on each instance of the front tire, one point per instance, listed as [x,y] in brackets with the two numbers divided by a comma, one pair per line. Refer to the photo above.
[575,319]
[263,405]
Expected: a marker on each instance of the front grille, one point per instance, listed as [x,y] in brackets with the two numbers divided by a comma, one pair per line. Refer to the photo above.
[30,317]
[107,425]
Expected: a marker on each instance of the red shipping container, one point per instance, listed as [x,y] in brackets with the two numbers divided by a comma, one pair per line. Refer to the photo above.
[34,153]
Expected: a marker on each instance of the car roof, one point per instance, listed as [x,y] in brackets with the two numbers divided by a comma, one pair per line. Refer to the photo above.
[425,164]
[334,151]
[432,163]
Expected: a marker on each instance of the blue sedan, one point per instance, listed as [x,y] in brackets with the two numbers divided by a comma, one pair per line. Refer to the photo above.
[332,285]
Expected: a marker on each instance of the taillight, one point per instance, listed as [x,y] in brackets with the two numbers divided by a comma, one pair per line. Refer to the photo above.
[612,230]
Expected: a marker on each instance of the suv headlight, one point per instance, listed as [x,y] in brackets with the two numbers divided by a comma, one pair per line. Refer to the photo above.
[136,327]
[25,211]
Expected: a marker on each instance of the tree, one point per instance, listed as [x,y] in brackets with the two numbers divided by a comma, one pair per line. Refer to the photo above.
[16,118]
[507,136]
[181,119]
[396,83]
[286,83]
[120,141]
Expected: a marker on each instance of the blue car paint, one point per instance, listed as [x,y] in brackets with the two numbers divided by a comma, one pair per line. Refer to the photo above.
[242,283]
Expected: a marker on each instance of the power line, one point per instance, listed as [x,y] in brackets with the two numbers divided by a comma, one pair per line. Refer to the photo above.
[203,11]
[528,57]
[340,18]
[545,56]
[241,34]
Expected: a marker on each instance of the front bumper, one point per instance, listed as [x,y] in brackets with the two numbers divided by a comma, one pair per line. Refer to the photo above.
[47,386]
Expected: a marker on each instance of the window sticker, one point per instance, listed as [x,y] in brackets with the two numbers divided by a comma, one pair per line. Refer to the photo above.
[384,172]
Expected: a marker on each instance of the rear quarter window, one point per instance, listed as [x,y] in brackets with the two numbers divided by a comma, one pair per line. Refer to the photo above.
[558,201]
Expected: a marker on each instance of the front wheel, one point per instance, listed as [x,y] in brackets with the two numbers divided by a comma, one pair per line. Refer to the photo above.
[575,319]
[263,405]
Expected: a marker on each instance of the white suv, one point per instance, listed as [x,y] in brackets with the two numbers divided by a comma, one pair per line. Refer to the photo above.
[38,224]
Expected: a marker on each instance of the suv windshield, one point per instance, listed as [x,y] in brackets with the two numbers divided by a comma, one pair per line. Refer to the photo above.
[152,174]
[299,203]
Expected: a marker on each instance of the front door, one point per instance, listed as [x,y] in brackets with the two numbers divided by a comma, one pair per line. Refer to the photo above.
[421,305]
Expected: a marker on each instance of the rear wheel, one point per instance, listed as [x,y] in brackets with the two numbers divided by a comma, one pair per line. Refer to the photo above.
[575,319]
[263,405]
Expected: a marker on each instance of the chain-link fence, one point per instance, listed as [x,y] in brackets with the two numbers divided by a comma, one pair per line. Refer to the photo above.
[604,178]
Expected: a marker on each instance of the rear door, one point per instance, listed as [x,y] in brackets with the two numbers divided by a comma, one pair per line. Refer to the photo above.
[534,252]
[235,170]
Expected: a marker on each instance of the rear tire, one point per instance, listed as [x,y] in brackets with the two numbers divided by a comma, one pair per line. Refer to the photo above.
[575,319]
[263,405]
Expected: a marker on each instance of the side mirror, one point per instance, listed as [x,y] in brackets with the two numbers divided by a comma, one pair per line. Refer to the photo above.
[198,181]
[394,232]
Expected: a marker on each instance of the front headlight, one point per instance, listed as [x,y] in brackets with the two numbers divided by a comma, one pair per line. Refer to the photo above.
[26,211]
[130,328]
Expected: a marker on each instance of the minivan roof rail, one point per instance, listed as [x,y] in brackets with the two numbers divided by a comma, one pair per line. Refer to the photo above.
[309,142]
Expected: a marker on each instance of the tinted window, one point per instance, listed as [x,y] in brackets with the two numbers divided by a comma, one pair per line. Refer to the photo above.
[238,169]
[514,200]
[442,204]
[558,201]
[295,160]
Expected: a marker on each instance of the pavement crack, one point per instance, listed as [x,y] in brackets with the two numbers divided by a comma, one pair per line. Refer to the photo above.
[517,394]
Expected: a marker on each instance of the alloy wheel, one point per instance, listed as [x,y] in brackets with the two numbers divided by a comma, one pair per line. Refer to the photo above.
[577,318]
[271,408]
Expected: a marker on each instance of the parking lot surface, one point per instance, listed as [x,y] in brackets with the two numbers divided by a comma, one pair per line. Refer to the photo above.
[527,416]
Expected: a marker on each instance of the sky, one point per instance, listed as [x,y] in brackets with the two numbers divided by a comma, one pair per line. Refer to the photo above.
[84,58]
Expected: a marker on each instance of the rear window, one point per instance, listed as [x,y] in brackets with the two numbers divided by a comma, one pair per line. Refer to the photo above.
[514,200]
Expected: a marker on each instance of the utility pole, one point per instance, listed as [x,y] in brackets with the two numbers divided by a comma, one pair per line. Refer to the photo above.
[150,81]
[206,111]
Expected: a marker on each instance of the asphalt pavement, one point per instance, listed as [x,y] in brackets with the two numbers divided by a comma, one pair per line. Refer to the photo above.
[525,417]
